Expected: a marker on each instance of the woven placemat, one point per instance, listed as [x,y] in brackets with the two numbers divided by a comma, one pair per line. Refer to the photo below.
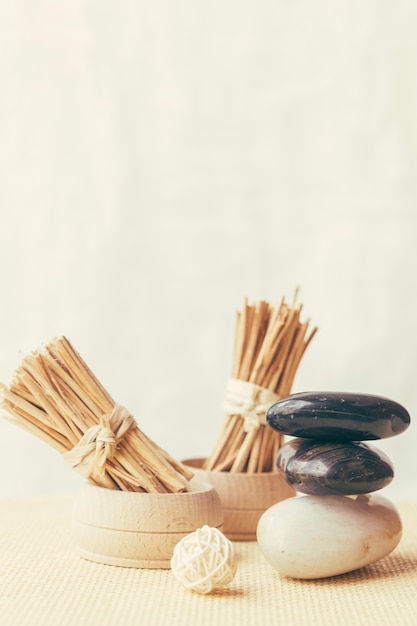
[43,582]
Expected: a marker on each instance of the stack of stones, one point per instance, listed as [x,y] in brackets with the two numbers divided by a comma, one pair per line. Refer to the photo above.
[339,524]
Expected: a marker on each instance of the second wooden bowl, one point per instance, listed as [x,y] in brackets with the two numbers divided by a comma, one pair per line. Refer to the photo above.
[244,497]
[140,529]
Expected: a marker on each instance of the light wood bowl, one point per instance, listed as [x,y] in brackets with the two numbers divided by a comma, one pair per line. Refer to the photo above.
[244,497]
[140,529]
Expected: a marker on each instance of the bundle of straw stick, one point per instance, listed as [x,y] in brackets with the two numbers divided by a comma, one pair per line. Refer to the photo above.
[56,397]
[270,341]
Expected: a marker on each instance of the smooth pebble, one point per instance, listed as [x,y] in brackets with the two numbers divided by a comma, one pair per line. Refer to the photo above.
[335,416]
[316,537]
[329,468]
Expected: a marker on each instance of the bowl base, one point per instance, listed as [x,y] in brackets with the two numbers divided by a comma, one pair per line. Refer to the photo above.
[124,562]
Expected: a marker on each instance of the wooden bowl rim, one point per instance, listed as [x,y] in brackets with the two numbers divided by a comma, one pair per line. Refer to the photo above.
[198,487]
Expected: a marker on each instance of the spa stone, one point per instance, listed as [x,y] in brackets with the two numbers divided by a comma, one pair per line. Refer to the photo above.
[338,416]
[325,469]
[314,537]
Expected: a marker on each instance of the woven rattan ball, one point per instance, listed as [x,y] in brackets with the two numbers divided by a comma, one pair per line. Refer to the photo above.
[204,560]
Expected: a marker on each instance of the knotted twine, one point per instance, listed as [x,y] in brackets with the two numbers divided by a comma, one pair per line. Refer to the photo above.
[98,444]
[249,400]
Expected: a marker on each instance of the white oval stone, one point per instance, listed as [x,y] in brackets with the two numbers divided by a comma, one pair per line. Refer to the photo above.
[321,536]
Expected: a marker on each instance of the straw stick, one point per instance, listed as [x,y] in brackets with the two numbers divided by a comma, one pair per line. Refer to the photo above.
[55,396]
[270,341]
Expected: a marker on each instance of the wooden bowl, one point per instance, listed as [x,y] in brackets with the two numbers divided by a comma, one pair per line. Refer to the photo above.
[244,497]
[140,529]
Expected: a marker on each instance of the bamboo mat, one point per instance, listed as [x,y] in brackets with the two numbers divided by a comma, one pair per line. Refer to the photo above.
[43,582]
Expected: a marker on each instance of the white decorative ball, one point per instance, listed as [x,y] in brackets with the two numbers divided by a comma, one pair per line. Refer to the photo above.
[204,560]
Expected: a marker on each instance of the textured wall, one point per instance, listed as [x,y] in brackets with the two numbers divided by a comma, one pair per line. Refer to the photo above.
[159,161]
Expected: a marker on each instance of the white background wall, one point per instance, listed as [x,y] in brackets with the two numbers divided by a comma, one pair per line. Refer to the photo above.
[160,161]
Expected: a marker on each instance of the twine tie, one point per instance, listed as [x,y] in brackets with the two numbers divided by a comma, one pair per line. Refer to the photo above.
[249,400]
[99,443]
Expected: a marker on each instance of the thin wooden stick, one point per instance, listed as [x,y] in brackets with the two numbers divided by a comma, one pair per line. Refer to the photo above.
[56,397]
[270,341]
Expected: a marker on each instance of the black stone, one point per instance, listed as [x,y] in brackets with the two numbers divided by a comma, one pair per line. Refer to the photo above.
[338,416]
[324,469]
